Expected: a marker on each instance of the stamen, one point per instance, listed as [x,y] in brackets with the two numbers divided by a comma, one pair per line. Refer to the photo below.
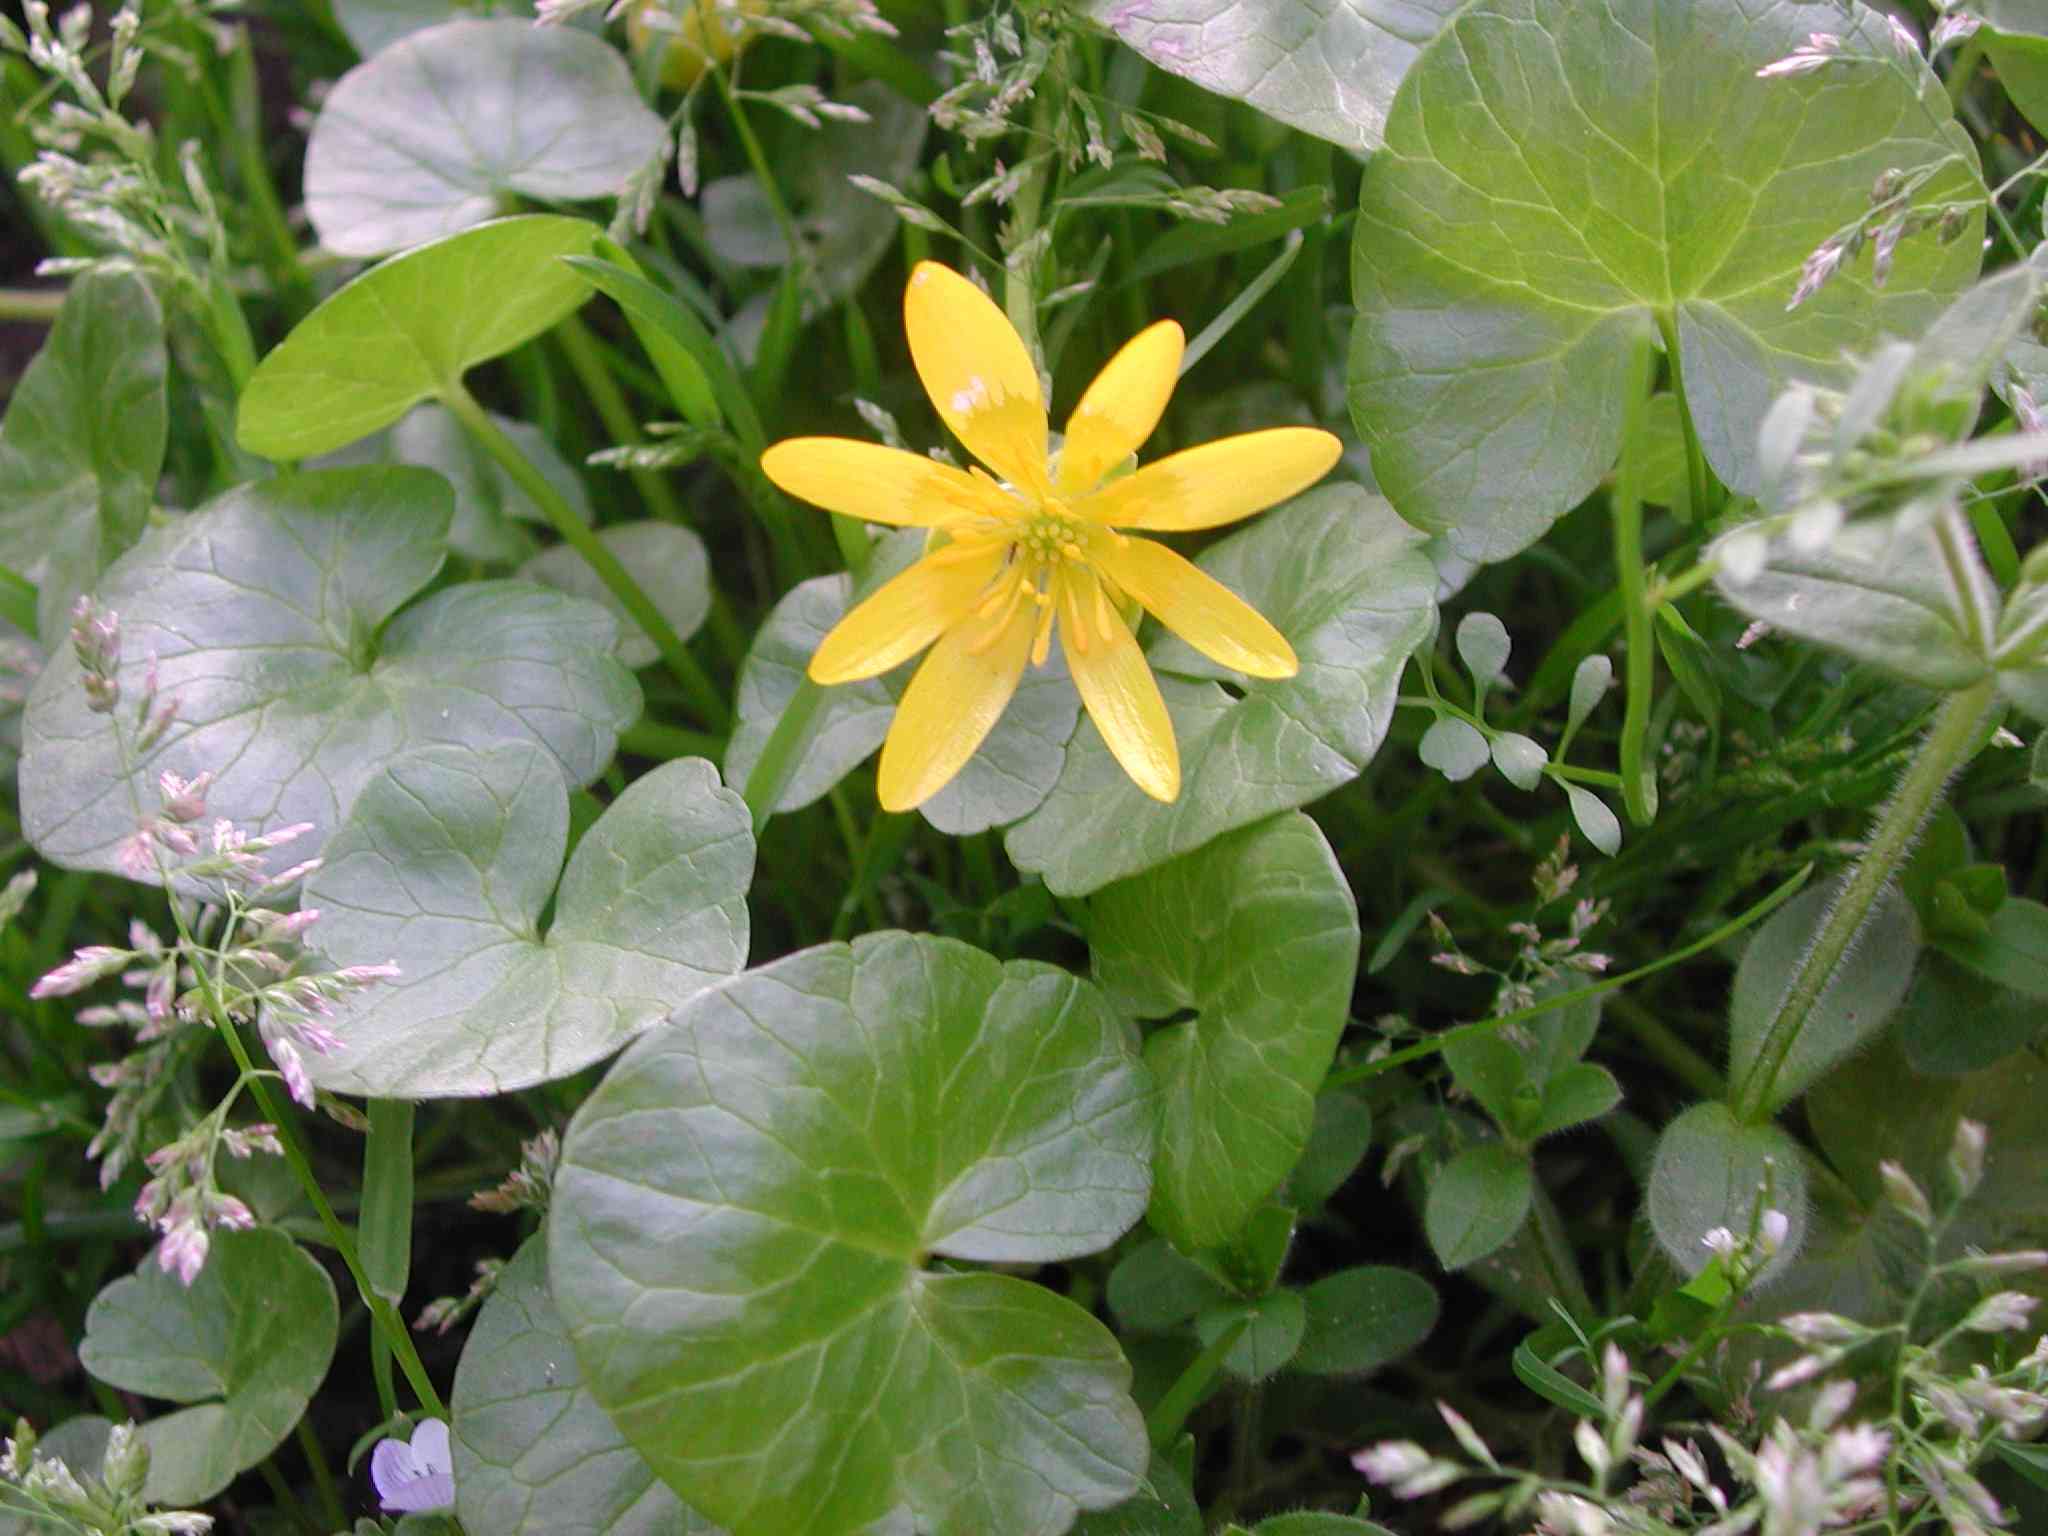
[1105,616]
[1041,643]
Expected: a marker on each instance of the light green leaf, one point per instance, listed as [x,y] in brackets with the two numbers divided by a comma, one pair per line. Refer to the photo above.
[1559,174]
[1257,934]
[1477,1202]
[1347,583]
[745,1208]
[1489,1067]
[1484,646]
[1596,819]
[1009,774]
[245,1345]
[1868,984]
[1519,759]
[273,616]
[1954,1021]
[408,329]
[445,864]
[1454,748]
[1274,1324]
[2011,952]
[1329,70]
[83,442]
[1711,1170]
[451,125]
[534,1454]
[488,505]
[2022,64]
[1360,1319]
[1875,592]
[373,25]
[669,563]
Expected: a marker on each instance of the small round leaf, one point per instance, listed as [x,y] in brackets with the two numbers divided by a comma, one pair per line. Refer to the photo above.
[1710,1170]
[1454,748]
[1359,1319]
[1477,1201]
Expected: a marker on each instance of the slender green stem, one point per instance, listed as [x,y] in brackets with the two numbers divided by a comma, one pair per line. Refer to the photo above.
[1635,606]
[281,1491]
[31,306]
[703,695]
[323,1477]
[757,157]
[588,364]
[228,328]
[650,738]
[1943,751]
[1698,491]
[1163,1423]
[1430,1047]
[785,749]
[1020,289]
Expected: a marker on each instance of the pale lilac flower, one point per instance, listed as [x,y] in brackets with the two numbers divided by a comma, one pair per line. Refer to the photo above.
[1818,51]
[2002,1313]
[1902,38]
[87,966]
[183,1250]
[1820,266]
[416,1476]
[184,799]
[1952,29]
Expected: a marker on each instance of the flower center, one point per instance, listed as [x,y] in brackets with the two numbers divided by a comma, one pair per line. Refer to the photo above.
[1049,535]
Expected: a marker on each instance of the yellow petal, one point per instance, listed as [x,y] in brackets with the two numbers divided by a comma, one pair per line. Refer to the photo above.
[952,703]
[978,373]
[879,485]
[1196,606]
[1117,686]
[1216,483]
[1121,407]
[906,613]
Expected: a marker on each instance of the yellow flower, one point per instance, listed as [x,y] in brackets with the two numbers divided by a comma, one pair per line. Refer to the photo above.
[1040,546]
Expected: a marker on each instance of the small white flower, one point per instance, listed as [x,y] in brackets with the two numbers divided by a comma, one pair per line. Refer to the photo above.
[417,1476]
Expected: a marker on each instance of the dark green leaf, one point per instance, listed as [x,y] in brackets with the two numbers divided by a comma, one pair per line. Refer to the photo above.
[669,563]
[1577,1094]
[245,1345]
[1155,1288]
[1274,1324]
[1359,1319]
[1338,1140]
[1257,934]
[1556,178]
[1476,1203]
[744,1211]
[2012,950]
[1954,1021]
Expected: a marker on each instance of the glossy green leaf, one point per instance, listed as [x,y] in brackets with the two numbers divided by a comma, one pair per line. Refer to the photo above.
[1477,1202]
[1954,1021]
[245,1346]
[453,124]
[1868,984]
[1008,776]
[1557,176]
[489,507]
[534,1454]
[408,329]
[1329,70]
[278,620]
[445,864]
[1489,1067]
[697,371]
[669,563]
[744,1212]
[1875,592]
[1257,935]
[1273,1326]
[1347,583]
[1338,1139]
[2022,65]
[83,442]
[1711,1171]
[1595,819]
[1360,1319]
[1519,759]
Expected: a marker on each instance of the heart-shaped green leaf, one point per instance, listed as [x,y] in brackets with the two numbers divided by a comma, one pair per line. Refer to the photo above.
[83,442]
[489,506]
[1954,1021]
[1868,985]
[444,128]
[444,865]
[1711,1170]
[1347,583]
[1875,592]
[1256,933]
[1008,776]
[246,1345]
[1359,1319]
[533,1451]
[745,1207]
[1477,1201]
[1564,177]
[408,329]
[1326,69]
[1577,1094]
[272,617]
